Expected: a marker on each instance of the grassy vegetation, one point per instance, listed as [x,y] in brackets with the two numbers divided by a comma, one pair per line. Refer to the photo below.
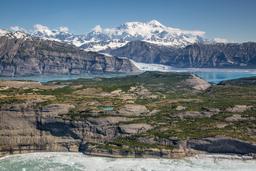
[171,92]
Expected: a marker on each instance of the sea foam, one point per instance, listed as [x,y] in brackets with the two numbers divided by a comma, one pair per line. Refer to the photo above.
[80,162]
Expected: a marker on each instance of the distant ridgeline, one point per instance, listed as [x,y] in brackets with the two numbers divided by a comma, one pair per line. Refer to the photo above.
[218,55]
[24,54]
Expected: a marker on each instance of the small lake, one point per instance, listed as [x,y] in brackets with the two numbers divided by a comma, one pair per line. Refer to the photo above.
[211,75]
[80,162]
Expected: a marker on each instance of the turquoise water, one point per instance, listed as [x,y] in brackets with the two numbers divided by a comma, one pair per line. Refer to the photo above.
[80,162]
[106,108]
[211,75]
[218,76]
[214,75]
[46,78]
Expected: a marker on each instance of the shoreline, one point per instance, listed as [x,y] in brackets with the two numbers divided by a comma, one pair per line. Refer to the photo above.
[99,155]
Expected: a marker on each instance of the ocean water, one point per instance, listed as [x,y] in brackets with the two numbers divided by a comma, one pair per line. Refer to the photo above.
[48,77]
[211,75]
[218,75]
[80,162]
[215,75]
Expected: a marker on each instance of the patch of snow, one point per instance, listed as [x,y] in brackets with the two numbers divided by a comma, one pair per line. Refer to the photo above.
[77,42]
[18,28]
[14,34]
[3,32]
[97,29]
[99,46]
[43,30]
[220,40]
[20,35]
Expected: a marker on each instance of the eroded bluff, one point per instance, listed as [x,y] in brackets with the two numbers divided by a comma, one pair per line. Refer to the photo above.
[152,114]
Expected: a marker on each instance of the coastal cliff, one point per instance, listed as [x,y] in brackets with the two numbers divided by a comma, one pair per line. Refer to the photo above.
[153,114]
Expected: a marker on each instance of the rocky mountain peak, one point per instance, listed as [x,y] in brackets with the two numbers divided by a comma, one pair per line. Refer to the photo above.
[110,38]
[155,23]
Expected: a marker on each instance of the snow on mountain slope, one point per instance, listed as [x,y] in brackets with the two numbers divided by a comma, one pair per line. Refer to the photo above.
[14,34]
[104,38]
[3,32]
[153,32]
[61,34]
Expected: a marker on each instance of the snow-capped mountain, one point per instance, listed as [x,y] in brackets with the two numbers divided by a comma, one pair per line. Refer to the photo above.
[3,32]
[61,34]
[153,32]
[14,34]
[110,38]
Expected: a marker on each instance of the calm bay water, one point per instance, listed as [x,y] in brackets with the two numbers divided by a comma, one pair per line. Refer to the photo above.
[46,78]
[211,75]
[80,162]
[218,75]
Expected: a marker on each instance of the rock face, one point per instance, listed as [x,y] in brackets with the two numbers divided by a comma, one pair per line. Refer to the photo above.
[32,56]
[131,109]
[196,55]
[152,114]
[222,145]
[198,83]
[24,129]
[140,51]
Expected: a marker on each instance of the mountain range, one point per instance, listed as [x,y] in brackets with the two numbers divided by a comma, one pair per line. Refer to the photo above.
[200,55]
[43,51]
[21,54]
[109,38]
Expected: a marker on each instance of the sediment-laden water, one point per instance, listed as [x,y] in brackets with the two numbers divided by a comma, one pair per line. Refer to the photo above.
[80,162]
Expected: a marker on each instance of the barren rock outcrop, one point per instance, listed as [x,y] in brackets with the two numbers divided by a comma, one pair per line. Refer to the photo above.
[33,56]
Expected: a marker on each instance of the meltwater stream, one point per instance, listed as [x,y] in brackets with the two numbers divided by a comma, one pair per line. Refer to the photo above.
[80,162]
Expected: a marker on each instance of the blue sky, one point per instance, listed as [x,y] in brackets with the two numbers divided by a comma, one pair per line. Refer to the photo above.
[231,19]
